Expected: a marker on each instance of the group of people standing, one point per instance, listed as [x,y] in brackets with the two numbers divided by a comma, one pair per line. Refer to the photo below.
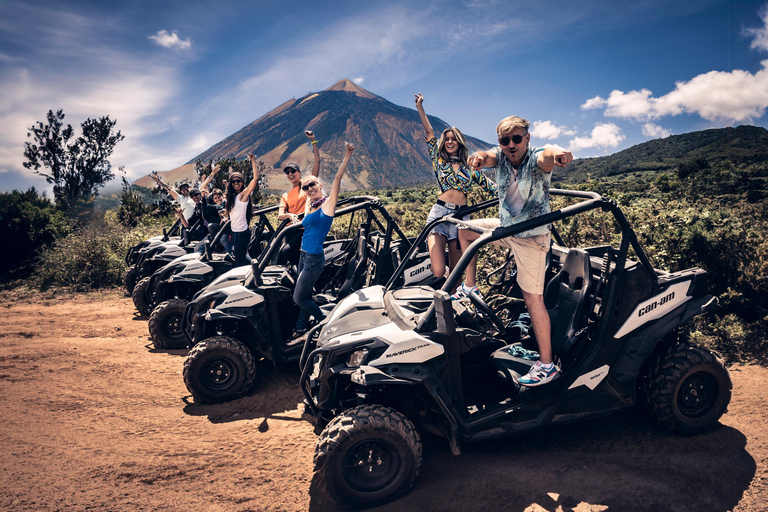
[523,175]
[522,181]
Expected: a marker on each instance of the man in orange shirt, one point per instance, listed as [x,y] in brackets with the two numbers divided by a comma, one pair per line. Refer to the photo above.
[293,202]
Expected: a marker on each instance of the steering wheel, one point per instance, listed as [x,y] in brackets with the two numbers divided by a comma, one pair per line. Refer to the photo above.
[485,309]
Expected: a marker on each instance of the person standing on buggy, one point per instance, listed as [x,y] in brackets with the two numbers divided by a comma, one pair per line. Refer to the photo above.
[524,174]
[239,210]
[293,202]
[454,180]
[182,196]
[318,217]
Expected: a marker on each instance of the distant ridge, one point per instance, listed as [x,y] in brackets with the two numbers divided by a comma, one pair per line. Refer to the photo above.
[740,145]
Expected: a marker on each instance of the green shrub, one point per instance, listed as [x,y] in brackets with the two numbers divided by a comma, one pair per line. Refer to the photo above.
[29,223]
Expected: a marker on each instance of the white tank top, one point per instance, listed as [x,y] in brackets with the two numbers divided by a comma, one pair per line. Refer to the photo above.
[239,223]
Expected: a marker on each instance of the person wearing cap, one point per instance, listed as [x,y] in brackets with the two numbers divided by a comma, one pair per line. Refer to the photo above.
[182,196]
[293,202]
[454,180]
[239,210]
[524,174]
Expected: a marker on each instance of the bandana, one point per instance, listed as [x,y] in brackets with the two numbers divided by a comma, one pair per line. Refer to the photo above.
[454,159]
[318,202]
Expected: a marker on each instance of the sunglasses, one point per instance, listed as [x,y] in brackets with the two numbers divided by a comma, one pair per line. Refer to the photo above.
[289,171]
[235,181]
[308,186]
[504,141]
[196,195]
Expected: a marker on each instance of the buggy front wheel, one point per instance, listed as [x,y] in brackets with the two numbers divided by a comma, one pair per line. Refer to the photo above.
[139,296]
[367,455]
[130,278]
[219,369]
[165,324]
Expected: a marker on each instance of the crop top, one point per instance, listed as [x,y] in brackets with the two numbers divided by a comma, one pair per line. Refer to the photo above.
[460,180]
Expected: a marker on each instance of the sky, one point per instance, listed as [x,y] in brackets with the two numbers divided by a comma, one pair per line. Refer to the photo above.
[592,76]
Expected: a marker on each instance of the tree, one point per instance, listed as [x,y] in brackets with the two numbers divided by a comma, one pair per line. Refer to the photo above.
[132,206]
[78,169]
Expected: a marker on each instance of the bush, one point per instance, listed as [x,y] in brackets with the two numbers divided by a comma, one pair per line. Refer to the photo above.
[29,223]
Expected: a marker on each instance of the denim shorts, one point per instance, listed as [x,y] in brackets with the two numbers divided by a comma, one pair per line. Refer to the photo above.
[448,230]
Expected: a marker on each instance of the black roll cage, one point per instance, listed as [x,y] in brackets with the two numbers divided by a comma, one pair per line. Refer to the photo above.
[349,205]
[592,201]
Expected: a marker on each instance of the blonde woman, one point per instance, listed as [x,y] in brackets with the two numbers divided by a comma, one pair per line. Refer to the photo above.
[454,180]
[318,217]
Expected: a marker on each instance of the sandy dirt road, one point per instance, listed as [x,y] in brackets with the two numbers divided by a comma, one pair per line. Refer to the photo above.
[93,418]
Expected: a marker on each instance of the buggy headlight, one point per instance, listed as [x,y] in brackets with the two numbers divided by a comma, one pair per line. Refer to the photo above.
[356,358]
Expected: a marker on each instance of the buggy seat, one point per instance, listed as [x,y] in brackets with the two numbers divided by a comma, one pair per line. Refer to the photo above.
[567,299]
[355,272]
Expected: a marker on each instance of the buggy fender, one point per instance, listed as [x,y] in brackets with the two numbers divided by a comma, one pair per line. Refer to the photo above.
[370,376]
[642,343]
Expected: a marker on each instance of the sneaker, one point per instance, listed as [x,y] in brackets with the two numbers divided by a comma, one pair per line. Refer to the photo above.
[463,291]
[298,333]
[538,375]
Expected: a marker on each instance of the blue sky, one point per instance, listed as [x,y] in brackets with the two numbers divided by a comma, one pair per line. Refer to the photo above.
[592,76]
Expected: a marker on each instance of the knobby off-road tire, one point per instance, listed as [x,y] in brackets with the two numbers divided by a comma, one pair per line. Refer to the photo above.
[165,324]
[139,297]
[130,278]
[367,455]
[687,389]
[219,369]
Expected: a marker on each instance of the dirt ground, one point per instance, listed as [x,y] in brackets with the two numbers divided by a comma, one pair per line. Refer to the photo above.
[93,418]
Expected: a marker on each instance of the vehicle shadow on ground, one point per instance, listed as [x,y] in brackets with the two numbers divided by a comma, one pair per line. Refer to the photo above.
[619,463]
[275,390]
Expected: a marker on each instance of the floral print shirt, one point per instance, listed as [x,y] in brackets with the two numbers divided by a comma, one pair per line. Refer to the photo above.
[534,187]
[460,180]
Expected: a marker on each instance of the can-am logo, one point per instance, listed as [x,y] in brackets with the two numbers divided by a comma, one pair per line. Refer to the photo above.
[421,269]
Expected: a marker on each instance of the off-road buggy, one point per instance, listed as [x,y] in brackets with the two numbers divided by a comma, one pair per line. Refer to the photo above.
[391,363]
[153,257]
[171,287]
[134,252]
[231,328]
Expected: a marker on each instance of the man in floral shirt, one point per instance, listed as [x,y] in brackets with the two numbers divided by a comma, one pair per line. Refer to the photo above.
[523,175]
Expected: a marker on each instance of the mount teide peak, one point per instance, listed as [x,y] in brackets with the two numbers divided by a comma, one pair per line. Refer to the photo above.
[389,140]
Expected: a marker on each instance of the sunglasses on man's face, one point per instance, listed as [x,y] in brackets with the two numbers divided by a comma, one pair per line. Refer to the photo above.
[504,141]
[308,186]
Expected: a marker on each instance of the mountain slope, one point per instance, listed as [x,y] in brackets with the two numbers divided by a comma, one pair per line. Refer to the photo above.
[389,139]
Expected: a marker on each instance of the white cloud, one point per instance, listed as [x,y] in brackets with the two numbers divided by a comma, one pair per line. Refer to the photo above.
[604,135]
[655,131]
[548,130]
[67,66]
[760,35]
[172,40]
[359,80]
[730,97]
[593,103]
